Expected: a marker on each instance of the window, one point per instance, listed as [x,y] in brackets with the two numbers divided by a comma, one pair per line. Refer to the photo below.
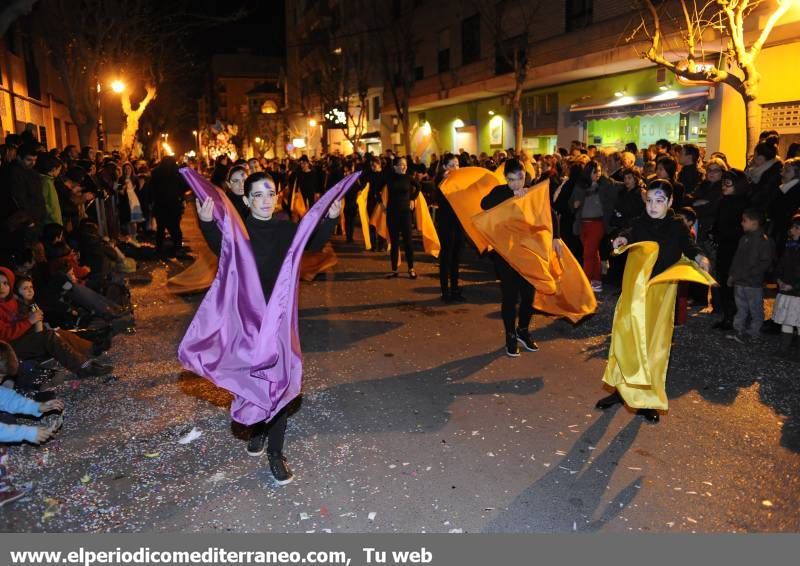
[43,135]
[444,60]
[579,14]
[506,52]
[376,107]
[57,126]
[471,39]
[540,113]
[419,73]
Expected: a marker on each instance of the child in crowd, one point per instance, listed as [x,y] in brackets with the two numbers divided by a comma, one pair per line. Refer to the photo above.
[18,328]
[751,261]
[12,402]
[787,303]
[687,215]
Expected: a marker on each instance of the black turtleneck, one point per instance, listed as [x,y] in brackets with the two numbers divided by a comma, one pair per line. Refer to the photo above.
[671,235]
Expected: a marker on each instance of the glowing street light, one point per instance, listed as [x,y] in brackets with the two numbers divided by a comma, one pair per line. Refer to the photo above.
[117,86]
[258,140]
[312,122]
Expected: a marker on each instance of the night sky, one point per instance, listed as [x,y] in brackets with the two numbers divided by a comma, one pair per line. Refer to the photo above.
[262,29]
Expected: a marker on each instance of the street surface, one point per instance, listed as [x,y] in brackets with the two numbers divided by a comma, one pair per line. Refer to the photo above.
[413,420]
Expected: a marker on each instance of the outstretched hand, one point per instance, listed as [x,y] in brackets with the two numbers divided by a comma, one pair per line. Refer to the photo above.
[205,211]
[335,209]
[619,241]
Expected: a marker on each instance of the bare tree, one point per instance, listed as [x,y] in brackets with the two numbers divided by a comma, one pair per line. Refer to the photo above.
[398,44]
[356,75]
[13,10]
[697,26]
[511,25]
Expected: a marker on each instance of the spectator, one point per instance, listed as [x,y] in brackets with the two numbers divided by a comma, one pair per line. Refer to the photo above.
[49,168]
[167,187]
[786,203]
[21,196]
[690,174]
[786,311]
[667,168]
[765,175]
[705,198]
[751,261]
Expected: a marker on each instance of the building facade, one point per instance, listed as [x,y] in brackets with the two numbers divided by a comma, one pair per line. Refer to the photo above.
[586,79]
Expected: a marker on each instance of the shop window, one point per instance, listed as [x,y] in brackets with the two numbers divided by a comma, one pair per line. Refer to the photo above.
[540,113]
[578,14]
[43,135]
[471,39]
[506,53]
[444,60]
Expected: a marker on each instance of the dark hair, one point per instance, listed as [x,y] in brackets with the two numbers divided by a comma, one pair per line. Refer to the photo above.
[396,160]
[664,143]
[754,214]
[512,166]
[19,280]
[9,364]
[669,165]
[693,150]
[27,149]
[234,169]
[766,150]
[795,221]
[765,134]
[687,212]
[592,147]
[254,178]
[660,185]
[793,151]
[630,146]
[794,163]
[633,172]
[590,168]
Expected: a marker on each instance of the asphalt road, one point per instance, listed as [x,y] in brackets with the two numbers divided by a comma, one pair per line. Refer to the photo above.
[413,420]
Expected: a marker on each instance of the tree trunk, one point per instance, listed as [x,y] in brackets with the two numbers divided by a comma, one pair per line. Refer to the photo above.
[405,120]
[132,118]
[752,123]
[85,131]
[516,102]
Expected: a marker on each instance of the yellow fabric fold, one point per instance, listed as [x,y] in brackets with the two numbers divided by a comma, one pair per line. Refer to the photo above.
[378,218]
[363,215]
[521,231]
[314,263]
[464,189]
[298,204]
[430,239]
[641,335]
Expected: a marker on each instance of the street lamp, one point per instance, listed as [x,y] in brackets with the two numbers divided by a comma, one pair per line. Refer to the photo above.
[196,140]
[118,87]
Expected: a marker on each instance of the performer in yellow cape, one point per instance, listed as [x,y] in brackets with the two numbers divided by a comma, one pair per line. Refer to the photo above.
[392,217]
[641,336]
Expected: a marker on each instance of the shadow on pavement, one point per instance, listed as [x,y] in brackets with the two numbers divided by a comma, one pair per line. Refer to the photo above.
[568,497]
[324,335]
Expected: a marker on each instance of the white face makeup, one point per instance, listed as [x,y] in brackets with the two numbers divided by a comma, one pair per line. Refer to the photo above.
[236,182]
[657,204]
[261,200]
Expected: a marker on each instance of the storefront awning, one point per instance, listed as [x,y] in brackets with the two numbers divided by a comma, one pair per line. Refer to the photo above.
[371,136]
[669,102]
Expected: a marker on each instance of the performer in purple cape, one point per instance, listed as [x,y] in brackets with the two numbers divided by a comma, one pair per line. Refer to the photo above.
[260,365]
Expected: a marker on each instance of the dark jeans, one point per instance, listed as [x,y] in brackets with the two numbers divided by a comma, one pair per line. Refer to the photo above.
[451,238]
[350,212]
[173,226]
[33,345]
[722,297]
[275,430]
[515,289]
[400,224]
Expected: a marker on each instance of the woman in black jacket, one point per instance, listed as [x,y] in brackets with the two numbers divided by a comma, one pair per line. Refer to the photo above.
[451,235]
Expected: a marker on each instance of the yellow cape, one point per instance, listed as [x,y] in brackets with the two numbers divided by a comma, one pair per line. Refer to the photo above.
[521,231]
[361,201]
[314,263]
[297,204]
[430,239]
[464,189]
[641,335]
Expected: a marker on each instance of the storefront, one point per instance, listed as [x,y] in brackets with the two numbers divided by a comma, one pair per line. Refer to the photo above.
[678,116]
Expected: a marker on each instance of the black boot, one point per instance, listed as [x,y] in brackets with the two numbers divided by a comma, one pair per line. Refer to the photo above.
[512,346]
[447,297]
[724,325]
[609,401]
[650,415]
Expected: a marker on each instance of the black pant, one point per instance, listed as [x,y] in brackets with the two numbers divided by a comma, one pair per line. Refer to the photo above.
[722,297]
[171,224]
[350,211]
[400,224]
[275,430]
[515,289]
[451,238]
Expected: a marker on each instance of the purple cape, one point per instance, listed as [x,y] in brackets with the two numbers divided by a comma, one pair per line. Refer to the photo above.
[250,348]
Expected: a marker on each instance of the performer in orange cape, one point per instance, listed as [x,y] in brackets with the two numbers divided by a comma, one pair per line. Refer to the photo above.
[517,225]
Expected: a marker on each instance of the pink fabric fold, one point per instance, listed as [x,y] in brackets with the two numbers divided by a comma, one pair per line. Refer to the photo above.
[239,342]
